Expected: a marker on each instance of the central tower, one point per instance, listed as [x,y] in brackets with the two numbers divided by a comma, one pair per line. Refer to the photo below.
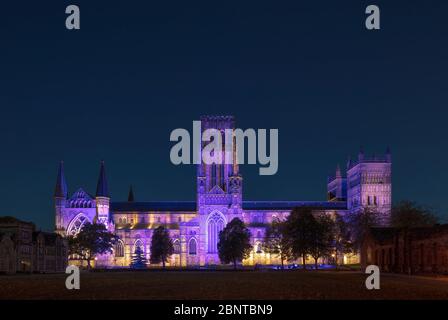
[219,188]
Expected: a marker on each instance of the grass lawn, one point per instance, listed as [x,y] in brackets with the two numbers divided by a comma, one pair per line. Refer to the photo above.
[293,284]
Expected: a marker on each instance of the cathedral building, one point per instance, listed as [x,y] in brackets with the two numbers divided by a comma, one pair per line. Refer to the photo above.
[194,226]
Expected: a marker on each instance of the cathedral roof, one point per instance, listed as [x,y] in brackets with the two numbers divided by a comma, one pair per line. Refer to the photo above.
[80,194]
[153,206]
[247,205]
[289,205]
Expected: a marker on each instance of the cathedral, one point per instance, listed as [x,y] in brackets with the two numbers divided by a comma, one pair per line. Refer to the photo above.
[194,226]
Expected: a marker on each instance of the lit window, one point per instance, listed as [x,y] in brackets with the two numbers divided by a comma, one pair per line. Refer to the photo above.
[192,247]
[119,249]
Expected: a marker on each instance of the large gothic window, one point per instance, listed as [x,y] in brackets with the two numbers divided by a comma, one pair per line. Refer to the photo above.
[192,247]
[215,225]
[76,225]
[119,249]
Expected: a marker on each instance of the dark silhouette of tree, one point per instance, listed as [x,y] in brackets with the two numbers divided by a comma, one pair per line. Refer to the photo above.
[408,214]
[342,238]
[275,241]
[93,239]
[138,259]
[360,222]
[161,246]
[234,242]
[300,226]
[322,237]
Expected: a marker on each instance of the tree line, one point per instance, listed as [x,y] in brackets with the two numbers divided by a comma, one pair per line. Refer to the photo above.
[304,233]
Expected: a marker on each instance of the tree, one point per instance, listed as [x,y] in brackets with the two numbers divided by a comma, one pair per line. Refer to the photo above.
[234,242]
[138,259]
[342,238]
[161,246]
[275,241]
[299,232]
[93,239]
[360,222]
[322,237]
[408,214]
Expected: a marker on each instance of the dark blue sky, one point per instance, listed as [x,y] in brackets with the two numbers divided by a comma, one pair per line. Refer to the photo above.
[138,69]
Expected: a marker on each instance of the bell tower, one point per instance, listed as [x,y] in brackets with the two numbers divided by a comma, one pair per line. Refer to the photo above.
[219,187]
[369,184]
[219,183]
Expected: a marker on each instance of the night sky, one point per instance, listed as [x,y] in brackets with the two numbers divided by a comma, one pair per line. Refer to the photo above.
[136,70]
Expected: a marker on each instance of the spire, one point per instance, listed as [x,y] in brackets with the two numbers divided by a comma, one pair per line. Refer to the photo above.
[338,171]
[101,188]
[131,194]
[60,190]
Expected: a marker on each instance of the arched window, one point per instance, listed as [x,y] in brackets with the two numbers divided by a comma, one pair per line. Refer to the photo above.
[119,249]
[192,246]
[176,246]
[76,225]
[139,244]
[258,248]
[214,226]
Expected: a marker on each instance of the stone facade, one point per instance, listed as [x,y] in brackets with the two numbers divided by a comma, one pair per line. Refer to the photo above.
[195,225]
[22,249]
[410,251]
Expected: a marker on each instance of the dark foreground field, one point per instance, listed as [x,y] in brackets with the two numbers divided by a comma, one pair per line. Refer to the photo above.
[221,285]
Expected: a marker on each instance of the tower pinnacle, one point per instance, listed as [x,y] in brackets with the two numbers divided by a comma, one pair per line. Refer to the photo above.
[60,190]
[101,189]
[338,171]
[131,194]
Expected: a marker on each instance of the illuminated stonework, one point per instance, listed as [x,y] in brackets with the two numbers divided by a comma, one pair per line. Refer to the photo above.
[194,225]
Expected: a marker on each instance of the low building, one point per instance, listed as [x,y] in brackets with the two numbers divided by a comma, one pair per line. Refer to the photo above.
[413,250]
[8,258]
[50,254]
[23,249]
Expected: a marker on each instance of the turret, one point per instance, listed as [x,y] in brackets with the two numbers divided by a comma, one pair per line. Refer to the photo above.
[388,155]
[337,186]
[361,154]
[131,194]
[60,198]
[102,198]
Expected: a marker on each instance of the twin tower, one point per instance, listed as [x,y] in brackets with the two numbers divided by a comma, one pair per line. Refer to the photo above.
[95,209]
[366,184]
